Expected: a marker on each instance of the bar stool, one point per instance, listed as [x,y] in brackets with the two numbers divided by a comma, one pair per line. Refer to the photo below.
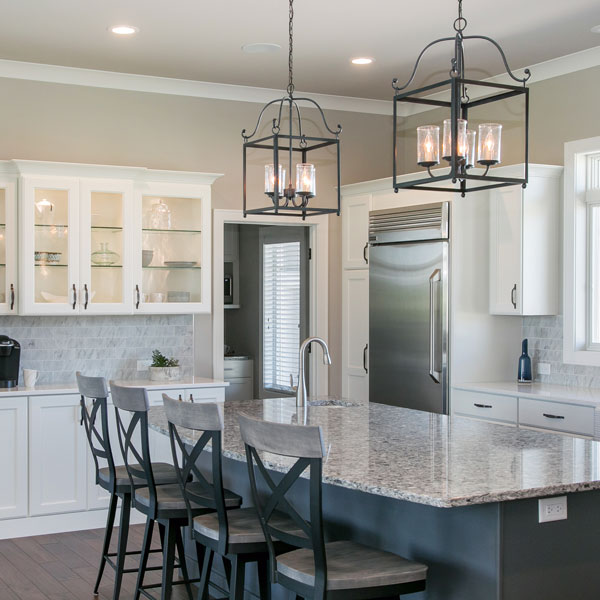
[162,504]
[317,570]
[113,479]
[233,533]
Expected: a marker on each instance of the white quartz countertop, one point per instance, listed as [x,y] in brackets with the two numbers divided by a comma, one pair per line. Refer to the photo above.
[71,388]
[541,391]
[422,457]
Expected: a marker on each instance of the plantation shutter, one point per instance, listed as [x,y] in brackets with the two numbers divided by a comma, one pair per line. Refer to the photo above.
[281,314]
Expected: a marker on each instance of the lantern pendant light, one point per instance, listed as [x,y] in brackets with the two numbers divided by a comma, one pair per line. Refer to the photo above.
[290,183]
[462,147]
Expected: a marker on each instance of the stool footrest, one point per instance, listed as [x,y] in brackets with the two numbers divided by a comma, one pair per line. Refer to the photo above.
[144,589]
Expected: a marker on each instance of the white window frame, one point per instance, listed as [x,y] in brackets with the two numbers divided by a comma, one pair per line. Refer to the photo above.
[577,348]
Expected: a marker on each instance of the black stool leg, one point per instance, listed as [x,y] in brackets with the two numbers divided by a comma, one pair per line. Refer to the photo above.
[236,584]
[182,562]
[122,545]
[110,521]
[205,575]
[144,556]
[168,560]
[264,585]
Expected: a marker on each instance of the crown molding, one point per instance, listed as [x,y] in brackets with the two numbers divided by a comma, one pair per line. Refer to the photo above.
[13,69]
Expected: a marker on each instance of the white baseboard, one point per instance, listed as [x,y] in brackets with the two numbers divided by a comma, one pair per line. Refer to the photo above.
[47,524]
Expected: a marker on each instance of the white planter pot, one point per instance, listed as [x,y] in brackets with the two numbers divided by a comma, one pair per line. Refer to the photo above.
[165,373]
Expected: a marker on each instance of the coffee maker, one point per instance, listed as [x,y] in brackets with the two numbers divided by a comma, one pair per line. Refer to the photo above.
[10,357]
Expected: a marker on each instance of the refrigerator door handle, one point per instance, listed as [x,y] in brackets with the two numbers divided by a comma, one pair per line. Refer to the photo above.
[435,277]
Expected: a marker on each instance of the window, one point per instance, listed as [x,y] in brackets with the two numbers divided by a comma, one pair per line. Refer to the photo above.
[281,314]
[581,269]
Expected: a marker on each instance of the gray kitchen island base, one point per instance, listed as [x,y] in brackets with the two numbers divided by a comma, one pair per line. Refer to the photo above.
[494,551]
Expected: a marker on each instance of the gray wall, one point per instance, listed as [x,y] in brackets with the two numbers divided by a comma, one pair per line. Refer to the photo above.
[109,346]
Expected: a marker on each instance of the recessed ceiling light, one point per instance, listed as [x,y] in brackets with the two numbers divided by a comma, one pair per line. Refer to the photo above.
[596,29]
[261,48]
[124,30]
[362,60]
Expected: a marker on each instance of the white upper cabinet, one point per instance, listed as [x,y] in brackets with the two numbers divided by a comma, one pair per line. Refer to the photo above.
[8,245]
[355,231]
[108,240]
[524,245]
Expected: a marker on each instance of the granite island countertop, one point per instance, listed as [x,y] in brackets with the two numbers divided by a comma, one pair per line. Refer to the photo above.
[421,457]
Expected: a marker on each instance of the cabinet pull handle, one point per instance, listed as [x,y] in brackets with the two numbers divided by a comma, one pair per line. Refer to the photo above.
[137,295]
[513,296]
[549,416]
[482,405]
[365,253]
[87,296]
[74,297]
[366,348]
[12,297]
[435,277]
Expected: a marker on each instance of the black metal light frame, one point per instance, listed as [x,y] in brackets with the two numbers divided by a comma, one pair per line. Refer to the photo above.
[291,203]
[459,106]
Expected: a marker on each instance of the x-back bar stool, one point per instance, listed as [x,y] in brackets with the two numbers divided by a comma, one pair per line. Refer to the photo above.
[341,570]
[233,533]
[162,504]
[114,479]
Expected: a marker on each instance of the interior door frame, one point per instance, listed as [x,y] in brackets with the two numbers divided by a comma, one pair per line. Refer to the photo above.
[318,276]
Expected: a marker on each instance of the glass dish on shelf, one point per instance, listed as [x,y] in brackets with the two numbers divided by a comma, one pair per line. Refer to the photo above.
[180,264]
[104,256]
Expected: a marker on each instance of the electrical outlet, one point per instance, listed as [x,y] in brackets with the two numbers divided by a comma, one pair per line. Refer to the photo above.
[142,365]
[543,368]
[552,509]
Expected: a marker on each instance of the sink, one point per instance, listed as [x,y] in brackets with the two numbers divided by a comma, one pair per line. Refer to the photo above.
[340,403]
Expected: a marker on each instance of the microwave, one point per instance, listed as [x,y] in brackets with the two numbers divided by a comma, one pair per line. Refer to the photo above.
[228,297]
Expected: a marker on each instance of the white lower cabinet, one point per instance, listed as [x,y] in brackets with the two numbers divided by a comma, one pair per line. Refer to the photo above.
[57,455]
[502,409]
[13,461]
[559,416]
[355,334]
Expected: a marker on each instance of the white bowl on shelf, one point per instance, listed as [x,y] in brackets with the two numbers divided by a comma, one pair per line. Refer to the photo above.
[147,256]
[178,296]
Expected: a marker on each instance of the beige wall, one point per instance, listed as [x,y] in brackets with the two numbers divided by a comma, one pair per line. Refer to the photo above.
[55,122]
[71,123]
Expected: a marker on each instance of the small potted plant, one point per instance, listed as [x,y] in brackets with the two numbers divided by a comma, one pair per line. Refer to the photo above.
[163,368]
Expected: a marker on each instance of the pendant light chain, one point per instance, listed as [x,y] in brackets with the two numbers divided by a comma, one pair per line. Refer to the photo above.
[290,87]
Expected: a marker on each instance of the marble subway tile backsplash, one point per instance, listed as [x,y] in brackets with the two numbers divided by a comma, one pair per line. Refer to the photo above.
[98,345]
[545,336]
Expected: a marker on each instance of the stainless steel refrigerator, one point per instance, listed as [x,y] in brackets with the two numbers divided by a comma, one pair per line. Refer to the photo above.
[408,306]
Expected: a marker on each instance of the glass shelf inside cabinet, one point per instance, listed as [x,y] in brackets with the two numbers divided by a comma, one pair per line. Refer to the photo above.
[193,231]
[168,268]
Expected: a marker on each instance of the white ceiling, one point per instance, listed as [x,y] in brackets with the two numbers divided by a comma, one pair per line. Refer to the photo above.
[199,40]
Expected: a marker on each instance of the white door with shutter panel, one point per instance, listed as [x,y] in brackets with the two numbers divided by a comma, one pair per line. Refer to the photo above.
[506,251]
[355,334]
[355,231]
[57,455]
[13,464]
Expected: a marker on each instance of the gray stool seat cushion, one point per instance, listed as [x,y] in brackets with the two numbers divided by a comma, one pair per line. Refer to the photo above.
[351,566]
[169,497]
[163,473]
[244,526]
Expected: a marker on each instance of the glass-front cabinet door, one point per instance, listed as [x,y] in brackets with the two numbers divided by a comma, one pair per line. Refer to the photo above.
[105,240]
[8,246]
[49,259]
[173,239]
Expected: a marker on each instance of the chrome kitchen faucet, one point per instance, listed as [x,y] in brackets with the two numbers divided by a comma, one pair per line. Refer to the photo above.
[301,394]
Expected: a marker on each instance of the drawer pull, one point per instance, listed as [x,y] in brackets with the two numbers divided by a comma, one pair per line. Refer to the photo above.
[482,405]
[228,369]
[549,416]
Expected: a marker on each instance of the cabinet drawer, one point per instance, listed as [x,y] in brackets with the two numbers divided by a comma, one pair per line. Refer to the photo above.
[485,406]
[212,394]
[237,368]
[557,415]
[155,396]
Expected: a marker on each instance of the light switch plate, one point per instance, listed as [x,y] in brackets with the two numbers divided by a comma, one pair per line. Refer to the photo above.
[142,365]
[543,368]
[552,509]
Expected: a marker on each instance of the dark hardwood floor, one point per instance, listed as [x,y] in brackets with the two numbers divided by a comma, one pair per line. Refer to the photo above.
[64,566]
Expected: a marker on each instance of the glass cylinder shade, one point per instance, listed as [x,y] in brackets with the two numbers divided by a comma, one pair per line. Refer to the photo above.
[428,145]
[489,148]
[306,180]
[270,180]
[471,147]
[461,139]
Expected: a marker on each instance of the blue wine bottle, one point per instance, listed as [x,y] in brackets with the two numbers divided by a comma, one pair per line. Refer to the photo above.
[524,374]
